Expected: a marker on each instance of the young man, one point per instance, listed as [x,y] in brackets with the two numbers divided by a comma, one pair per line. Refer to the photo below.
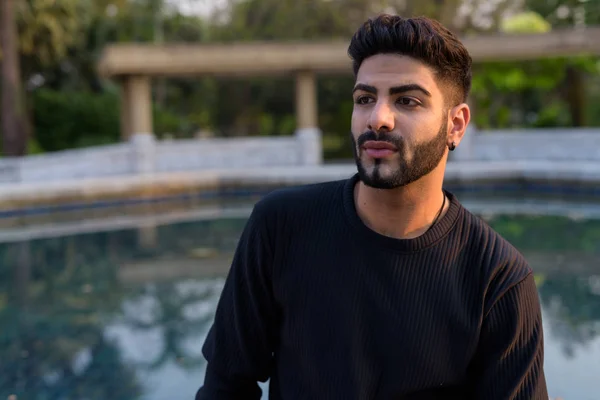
[381,286]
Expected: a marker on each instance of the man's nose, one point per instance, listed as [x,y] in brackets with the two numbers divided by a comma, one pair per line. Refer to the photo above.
[382,118]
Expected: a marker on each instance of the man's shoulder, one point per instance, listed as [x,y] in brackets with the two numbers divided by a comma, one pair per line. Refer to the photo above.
[490,241]
[502,264]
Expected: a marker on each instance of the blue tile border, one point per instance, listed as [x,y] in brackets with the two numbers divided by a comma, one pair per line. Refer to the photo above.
[529,188]
[203,195]
[572,191]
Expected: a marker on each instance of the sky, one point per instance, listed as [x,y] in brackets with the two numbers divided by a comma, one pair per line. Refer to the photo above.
[196,7]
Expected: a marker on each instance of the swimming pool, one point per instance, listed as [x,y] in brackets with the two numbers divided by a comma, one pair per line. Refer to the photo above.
[117,306]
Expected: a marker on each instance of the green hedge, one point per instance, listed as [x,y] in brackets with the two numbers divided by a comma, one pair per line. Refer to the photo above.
[64,120]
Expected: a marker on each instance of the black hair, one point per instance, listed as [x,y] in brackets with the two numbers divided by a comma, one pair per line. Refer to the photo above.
[423,39]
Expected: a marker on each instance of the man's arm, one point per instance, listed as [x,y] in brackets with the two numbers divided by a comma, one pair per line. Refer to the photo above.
[509,364]
[240,344]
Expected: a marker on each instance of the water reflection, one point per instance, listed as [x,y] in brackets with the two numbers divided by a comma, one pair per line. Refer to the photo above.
[52,342]
[61,300]
[573,307]
[161,331]
[178,312]
[123,314]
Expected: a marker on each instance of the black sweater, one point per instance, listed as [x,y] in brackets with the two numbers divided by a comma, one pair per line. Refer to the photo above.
[329,309]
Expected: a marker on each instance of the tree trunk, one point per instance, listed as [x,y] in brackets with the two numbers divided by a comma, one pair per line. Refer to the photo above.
[575,96]
[13,112]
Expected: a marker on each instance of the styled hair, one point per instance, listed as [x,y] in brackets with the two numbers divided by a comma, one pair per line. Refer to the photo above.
[423,39]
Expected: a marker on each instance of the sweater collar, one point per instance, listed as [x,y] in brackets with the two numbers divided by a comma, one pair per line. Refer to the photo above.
[429,238]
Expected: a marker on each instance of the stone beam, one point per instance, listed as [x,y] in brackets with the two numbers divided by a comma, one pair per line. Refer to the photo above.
[287,57]
[243,59]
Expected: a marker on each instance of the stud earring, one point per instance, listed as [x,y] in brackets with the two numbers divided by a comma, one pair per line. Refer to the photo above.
[452,146]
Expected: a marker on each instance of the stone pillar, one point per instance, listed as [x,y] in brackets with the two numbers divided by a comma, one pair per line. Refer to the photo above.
[140,105]
[136,106]
[307,130]
[125,111]
[143,153]
[306,100]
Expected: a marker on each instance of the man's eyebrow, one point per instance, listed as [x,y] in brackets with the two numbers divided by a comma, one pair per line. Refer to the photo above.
[409,88]
[365,88]
[393,90]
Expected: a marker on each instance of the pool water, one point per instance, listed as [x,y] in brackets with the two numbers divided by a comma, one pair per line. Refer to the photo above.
[122,314]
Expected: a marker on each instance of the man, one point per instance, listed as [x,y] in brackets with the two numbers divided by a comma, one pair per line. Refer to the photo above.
[381,286]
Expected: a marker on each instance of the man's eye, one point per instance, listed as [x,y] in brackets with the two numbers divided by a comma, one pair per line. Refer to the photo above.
[408,101]
[363,100]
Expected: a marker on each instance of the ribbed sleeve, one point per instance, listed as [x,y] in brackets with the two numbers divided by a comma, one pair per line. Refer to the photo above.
[510,357]
[240,344]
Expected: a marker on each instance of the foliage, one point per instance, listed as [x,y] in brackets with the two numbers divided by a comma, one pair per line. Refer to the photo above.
[545,233]
[524,94]
[525,22]
[541,93]
[74,119]
[593,99]
[47,28]
[538,93]
[561,13]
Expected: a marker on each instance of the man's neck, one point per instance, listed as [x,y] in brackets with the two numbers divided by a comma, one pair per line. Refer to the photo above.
[402,213]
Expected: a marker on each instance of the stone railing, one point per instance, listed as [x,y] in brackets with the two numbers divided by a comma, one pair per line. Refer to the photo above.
[102,161]
[189,155]
[556,144]
[143,154]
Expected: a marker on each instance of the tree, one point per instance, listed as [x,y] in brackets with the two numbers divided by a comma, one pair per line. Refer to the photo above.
[567,13]
[36,34]
[13,115]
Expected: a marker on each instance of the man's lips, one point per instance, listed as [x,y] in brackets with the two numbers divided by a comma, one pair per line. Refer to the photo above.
[379,145]
[378,149]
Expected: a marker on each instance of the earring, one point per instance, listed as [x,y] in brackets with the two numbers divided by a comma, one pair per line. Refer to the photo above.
[452,146]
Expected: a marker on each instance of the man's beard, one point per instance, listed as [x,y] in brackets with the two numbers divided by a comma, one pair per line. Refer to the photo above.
[400,172]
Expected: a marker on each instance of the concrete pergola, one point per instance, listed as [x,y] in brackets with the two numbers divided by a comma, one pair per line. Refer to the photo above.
[135,65]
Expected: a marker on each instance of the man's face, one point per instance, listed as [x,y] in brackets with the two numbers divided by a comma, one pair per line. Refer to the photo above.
[399,122]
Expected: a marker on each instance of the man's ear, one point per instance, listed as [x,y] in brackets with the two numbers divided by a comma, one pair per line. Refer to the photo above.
[459,118]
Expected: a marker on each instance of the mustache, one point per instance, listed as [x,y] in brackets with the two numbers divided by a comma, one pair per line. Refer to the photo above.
[380,137]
